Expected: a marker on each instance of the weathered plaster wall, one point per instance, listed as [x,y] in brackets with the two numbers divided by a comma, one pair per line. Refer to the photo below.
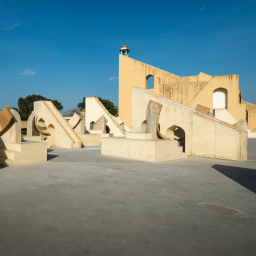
[182,89]
[234,104]
[134,73]
[251,108]
[189,91]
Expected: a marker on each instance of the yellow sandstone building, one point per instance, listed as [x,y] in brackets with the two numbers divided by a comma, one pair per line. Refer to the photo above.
[220,94]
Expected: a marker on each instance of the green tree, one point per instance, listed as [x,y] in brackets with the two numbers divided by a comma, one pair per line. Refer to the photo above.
[109,105]
[81,105]
[26,105]
[70,112]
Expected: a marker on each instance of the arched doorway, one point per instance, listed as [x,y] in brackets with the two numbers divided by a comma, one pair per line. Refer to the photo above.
[144,126]
[51,137]
[150,82]
[91,125]
[220,98]
[177,133]
[107,129]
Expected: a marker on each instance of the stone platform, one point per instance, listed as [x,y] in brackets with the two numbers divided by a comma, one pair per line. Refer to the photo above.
[23,153]
[144,150]
[93,139]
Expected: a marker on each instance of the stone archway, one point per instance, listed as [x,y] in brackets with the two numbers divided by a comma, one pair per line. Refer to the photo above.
[177,133]
[144,126]
[51,137]
[91,125]
[107,129]
[150,82]
[220,97]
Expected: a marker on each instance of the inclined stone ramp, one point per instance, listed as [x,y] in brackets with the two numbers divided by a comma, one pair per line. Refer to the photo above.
[111,117]
[204,135]
[61,132]
[95,109]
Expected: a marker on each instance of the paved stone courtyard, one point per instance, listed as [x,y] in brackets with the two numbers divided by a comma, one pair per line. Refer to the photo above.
[82,203]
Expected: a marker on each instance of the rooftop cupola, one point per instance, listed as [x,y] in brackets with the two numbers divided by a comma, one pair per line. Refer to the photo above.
[124,50]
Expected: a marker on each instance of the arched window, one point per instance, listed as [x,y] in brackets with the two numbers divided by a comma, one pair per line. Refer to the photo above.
[107,129]
[220,98]
[144,126]
[246,116]
[51,138]
[177,133]
[91,125]
[150,82]
[41,122]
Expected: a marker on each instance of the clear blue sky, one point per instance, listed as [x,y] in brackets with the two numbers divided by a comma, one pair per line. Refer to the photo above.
[66,50]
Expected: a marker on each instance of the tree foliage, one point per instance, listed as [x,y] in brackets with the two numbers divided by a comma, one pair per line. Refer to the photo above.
[109,105]
[81,105]
[70,112]
[26,105]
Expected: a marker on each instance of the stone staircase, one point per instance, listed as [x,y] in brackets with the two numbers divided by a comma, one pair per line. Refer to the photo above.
[67,128]
[23,153]
[8,155]
[110,116]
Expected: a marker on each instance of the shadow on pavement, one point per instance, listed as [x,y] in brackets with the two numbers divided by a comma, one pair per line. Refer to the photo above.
[243,176]
[50,156]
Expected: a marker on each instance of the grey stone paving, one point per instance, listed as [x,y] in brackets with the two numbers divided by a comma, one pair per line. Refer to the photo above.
[82,203]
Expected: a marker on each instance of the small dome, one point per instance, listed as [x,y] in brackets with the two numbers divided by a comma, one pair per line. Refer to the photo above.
[124,50]
[124,47]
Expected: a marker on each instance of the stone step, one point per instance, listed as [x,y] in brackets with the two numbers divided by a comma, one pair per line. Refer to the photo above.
[13,146]
[6,162]
[9,154]
[63,122]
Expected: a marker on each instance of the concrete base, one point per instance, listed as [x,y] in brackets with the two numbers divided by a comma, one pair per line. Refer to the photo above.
[107,135]
[93,139]
[40,138]
[90,139]
[23,153]
[139,135]
[96,132]
[144,150]
[31,138]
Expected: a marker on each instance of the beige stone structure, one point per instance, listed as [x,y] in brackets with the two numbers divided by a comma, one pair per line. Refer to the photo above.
[219,94]
[6,119]
[148,150]
[31,126]
[77,122]
[94,111]
[52,127]
[12,150]
[148,146]
[100,124]
[203,135]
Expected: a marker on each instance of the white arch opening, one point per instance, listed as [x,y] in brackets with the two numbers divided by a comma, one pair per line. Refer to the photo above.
[220,98]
